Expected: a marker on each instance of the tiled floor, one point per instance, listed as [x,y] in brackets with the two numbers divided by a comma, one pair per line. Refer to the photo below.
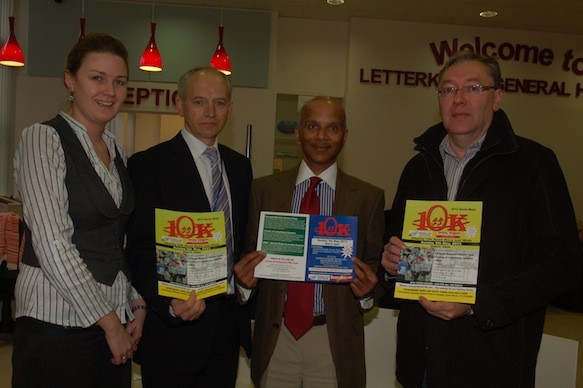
[136,379]
[558,323]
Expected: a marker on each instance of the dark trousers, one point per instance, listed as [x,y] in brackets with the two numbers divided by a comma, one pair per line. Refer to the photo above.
[220,369]
[47,355]
[220,372]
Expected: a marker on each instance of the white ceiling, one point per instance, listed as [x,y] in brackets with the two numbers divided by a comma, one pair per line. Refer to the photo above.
[563,16]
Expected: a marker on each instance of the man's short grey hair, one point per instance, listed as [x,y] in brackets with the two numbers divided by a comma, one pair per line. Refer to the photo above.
[466,55]
[183,81]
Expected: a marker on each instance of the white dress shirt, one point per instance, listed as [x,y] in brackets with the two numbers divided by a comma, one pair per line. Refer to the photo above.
[204,167]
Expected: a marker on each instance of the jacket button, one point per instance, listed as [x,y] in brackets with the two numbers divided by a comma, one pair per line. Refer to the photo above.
[276,325]
[489,323]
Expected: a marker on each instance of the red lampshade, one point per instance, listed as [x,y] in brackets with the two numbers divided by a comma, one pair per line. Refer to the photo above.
[151,59]
[220,59]
[11,54]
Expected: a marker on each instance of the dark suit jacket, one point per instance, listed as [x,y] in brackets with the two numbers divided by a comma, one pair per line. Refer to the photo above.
[165,176]
[344,316]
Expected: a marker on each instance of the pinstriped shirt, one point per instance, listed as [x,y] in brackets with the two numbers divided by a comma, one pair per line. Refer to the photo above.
[453,167]
[325,190]
[62,291]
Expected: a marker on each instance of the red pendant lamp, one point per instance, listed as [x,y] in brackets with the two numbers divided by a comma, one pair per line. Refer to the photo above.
[11,53]
[151,59]
[220,59]
[82,23]
[81,29]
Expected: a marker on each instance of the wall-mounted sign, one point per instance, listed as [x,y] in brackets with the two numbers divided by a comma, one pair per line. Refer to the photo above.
[151,97]
[567,61]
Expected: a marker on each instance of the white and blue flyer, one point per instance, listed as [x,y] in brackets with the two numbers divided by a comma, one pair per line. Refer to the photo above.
[307,248]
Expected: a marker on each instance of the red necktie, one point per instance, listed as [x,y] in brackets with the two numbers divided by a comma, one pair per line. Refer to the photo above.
[299,306]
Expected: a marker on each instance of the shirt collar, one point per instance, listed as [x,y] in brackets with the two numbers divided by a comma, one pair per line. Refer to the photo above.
[329,175]
[196,146]
[445,147]
[76,125]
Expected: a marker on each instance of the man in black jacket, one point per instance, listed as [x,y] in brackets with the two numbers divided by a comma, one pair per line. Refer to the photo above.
[529,251]
[193,342]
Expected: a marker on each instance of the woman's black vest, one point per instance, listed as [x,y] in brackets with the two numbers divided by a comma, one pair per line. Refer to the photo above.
[99,226]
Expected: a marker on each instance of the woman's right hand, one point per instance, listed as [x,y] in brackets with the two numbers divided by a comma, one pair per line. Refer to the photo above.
[118,339]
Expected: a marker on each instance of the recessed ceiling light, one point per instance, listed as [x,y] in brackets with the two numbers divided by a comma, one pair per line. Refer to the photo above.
[488,14]
[335,2]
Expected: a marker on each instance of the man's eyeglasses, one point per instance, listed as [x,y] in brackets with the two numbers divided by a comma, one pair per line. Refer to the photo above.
[472,90]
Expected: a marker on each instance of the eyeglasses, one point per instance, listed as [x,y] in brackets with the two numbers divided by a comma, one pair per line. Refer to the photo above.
[472,90]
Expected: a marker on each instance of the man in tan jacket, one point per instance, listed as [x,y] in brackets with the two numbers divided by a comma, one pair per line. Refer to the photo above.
[331,352]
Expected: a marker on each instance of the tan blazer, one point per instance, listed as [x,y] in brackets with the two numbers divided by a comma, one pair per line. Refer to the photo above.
[344,316]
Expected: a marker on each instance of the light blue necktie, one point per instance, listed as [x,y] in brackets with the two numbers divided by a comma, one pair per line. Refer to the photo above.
[221,203]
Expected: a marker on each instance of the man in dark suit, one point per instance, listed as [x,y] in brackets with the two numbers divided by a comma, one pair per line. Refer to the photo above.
[331,352]
[193,342]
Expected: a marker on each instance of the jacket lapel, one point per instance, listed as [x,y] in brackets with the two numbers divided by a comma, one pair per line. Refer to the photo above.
[344,198]
[284,189]
[190,180]
[500,140]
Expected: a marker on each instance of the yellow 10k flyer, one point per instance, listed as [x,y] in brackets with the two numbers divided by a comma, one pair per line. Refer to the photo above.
[443,248]
[191,253]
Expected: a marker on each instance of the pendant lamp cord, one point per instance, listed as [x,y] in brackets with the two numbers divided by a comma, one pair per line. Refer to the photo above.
[222,11]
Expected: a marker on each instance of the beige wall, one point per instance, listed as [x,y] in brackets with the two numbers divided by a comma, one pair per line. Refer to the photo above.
[388,117]
[311,57]
[147,131]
